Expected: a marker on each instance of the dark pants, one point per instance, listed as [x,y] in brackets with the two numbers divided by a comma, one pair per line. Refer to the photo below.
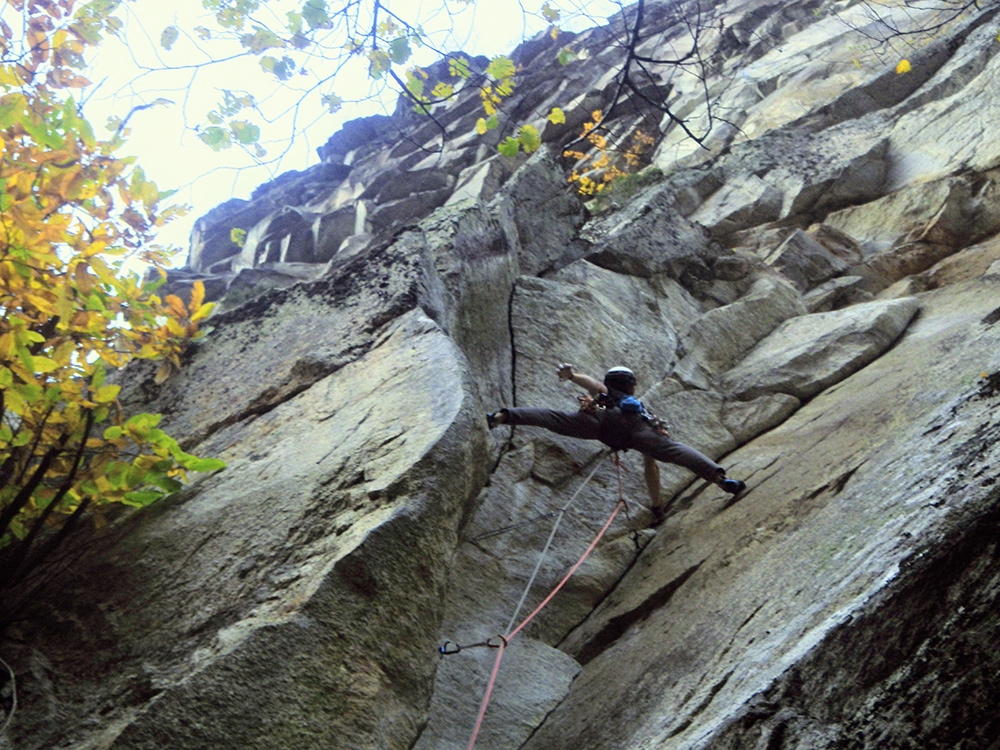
[620,432]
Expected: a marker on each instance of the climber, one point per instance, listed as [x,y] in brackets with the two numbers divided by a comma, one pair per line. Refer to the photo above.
[614,416]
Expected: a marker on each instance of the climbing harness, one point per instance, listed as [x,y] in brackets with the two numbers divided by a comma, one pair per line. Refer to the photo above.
[627,405]
[502,641]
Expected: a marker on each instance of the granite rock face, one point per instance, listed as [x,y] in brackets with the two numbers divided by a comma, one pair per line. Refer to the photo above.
[812,299]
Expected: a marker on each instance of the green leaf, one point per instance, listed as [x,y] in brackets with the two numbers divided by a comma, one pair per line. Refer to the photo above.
[549,13]
[501,67]
[332,102]
[529,138]
[203,464]
[415,78]
[44,364]
[458,67]
[399,50]
[557,116]
[316,14]
[100,372]
[442,91]
[566,56]
[142,498]
[216,138]
[11,110]
[378,63]
[113,433]
[169,36]
[237,236]
[262,39]
[5,434]
[164,482]
[282,69]
[106,393]
[509,147]
[245,132]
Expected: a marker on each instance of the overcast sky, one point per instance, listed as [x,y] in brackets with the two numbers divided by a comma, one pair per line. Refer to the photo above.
[125,75]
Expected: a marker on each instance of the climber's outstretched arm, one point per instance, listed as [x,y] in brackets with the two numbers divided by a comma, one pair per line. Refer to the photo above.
[594,387]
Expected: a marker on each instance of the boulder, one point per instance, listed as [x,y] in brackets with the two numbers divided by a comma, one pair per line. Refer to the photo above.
[211,240]
[805,262]
[395,214]
[839,243]
[471,268]
[330,230]
[649,237]
[938,133]
[809,353]
[722,336]
[742,202]
[394,186]
[745,420]
[250,283]
[842,167]
[481,181]
[964,265]
[837,293]
[934,212]
[887,267]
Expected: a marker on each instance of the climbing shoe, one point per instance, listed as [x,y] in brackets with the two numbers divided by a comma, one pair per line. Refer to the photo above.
[733,486]
[495,418]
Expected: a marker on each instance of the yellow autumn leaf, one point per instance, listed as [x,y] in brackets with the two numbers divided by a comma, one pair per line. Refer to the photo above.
[203,312]
[44,364]
[903,67]
[176,305]
[106,393]
[197,296]
[175,328]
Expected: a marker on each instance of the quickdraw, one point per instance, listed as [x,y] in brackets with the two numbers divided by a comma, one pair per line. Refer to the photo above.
[448,648]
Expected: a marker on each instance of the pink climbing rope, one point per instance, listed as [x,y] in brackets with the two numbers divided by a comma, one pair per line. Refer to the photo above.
[504,640]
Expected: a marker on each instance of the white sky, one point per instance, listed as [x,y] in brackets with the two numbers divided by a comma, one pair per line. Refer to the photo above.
[163,138]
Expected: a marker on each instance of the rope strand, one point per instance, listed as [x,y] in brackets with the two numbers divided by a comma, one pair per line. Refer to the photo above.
[545,549]
[505,640]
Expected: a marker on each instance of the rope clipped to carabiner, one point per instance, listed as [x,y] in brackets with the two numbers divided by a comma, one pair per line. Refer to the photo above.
[448,648]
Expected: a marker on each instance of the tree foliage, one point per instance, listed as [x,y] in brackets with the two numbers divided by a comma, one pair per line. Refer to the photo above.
[72,214]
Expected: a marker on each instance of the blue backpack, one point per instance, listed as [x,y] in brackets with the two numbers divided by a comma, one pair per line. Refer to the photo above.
[630,405]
